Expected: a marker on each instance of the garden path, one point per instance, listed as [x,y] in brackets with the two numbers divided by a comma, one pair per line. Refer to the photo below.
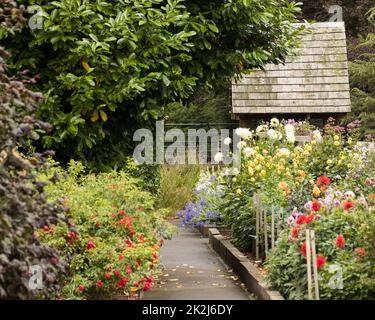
[193,271]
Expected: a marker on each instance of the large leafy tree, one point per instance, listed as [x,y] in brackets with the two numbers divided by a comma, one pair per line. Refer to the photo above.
[362,80]
[107,67]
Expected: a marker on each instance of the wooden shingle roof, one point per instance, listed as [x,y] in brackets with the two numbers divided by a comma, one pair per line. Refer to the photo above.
[314,81]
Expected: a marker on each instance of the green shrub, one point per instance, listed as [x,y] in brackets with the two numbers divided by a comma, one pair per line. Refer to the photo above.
[176,186]
[23,205]
[114,236]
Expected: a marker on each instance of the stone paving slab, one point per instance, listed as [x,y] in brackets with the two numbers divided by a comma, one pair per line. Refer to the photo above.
[193,271]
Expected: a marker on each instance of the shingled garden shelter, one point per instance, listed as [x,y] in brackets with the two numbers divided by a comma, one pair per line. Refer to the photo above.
[314,82]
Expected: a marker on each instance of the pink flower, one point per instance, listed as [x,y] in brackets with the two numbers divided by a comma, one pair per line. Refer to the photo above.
[81,288]
[90,245]
[118,273]
[360,252]
[99,283]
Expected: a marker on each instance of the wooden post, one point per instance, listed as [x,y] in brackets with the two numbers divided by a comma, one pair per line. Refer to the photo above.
[257,228]
[265,232]
[280,224]
[308,256]
[273,227]
[315,267]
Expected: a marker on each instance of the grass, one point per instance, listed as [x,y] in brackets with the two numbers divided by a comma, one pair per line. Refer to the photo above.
[176,186]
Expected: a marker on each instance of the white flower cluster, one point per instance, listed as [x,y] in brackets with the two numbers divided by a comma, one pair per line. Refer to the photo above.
[317,136]
[289,133]
[274,134]
[244,133]
[283,152]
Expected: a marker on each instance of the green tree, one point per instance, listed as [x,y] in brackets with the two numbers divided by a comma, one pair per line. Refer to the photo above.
[108,67]
[362,80]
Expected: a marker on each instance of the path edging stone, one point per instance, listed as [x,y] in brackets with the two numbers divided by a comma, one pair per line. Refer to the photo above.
[242,267]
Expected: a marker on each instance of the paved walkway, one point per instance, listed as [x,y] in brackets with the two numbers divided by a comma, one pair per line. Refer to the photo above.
[193,271]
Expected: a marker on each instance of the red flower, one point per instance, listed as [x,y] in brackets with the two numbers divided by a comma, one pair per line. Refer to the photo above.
[46,228]
[107,275]
[151,279]
[155,256]
[320,261]
[141,238]
[147,286]
[81,288]
[129,243]
[131,233]
[348,205]
[303,249]
[323,181]
[310,218]
[129,269]
[121,213]
[136,264]
[295,233]
[90,245]
[99,283]
[360,252]
[316,205]
[118,273]
[143,280]
[135,284]
[122,282]
[340,241]
[120,257]
[301,219]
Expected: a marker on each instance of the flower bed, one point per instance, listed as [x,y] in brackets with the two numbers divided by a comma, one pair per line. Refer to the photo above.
[326,184]
[113,237]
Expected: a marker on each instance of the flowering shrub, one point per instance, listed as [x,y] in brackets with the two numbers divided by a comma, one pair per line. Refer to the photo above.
[208,194]
[286,172]
[327,183]
[345,233]
[113,239]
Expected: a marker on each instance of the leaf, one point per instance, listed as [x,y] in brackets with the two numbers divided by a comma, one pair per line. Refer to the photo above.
[85,66]
[94,116]
[213,27]
[103,115]
[166,81]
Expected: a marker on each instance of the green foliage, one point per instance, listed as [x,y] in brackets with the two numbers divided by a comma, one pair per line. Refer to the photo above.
[113,225]
[23,205]
[206,107]
[108,67]
[362,80]
[176,185]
